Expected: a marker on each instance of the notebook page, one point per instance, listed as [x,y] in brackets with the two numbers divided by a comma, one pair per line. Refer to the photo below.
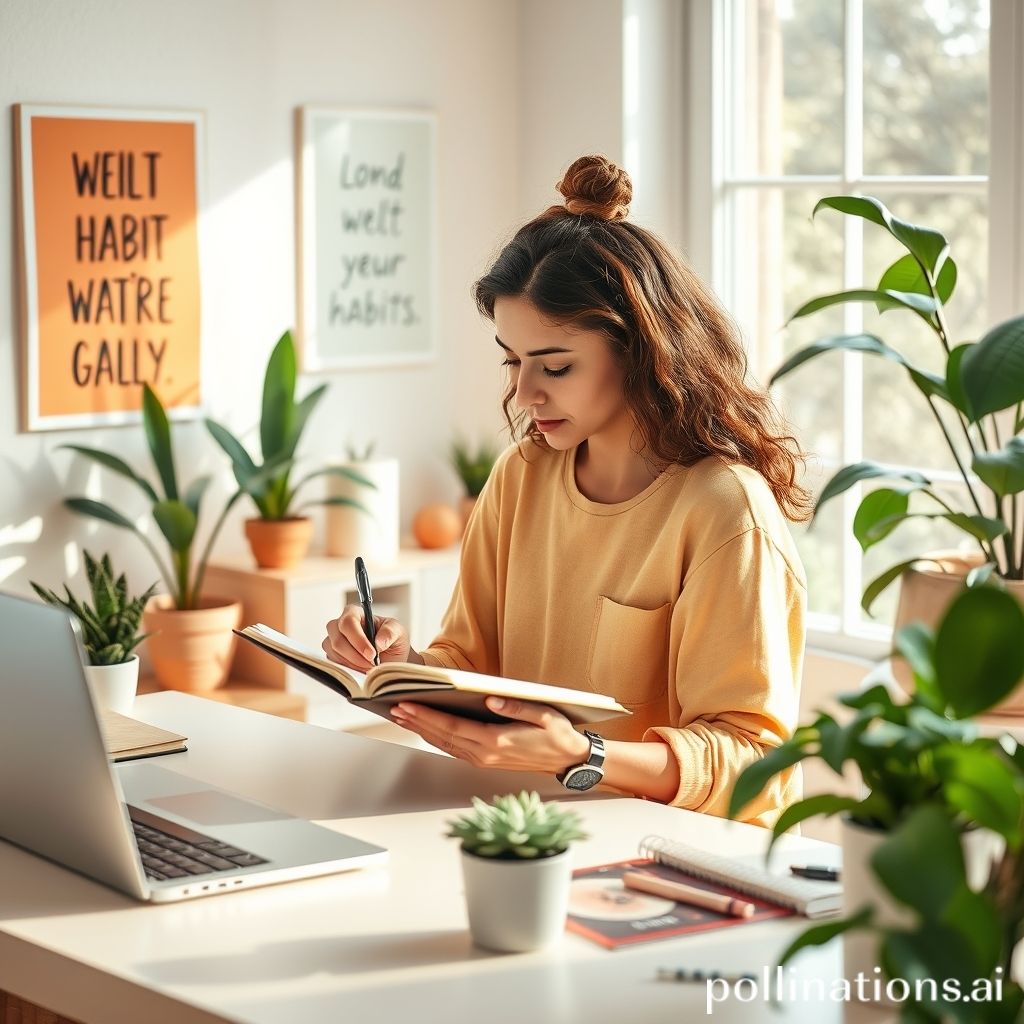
[750,875]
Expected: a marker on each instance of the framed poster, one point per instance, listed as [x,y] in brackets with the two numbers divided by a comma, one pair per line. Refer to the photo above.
[367,238]
[108,219]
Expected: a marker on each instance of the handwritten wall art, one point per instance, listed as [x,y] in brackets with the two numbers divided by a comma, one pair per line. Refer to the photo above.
[367,258]
[108,208]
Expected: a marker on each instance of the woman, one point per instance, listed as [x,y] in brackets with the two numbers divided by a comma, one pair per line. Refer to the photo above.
[634,542]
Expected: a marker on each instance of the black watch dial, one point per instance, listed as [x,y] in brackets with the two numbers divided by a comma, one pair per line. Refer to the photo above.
[583,778]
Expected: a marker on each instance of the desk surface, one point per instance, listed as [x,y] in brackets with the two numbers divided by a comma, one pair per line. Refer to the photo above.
[382,945]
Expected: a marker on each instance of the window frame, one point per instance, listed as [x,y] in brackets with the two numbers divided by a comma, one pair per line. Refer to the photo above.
[709,29]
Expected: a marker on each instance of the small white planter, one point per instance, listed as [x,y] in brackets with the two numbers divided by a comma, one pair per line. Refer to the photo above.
[351,531]
[516,905]
[114,686]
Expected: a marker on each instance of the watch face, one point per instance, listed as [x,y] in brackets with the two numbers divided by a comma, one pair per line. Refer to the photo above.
[583,778]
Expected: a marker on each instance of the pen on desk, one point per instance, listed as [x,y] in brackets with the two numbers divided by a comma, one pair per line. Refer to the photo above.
[366,600]
[682,974]
[821,874]
[643,882]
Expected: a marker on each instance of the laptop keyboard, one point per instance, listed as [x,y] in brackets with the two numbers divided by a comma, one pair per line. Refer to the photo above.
[170,850]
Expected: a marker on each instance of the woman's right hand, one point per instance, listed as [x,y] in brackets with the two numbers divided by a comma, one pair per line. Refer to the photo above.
[347,644]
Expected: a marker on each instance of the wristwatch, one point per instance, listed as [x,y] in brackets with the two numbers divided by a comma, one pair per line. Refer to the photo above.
[581,777]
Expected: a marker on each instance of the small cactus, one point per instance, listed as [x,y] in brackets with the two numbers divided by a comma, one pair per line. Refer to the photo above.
[110,625]
[473,467]
[516,827]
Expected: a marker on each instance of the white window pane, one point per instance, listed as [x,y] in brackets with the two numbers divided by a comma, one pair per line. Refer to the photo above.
[820,547]
[926,87]
[790,79]
[780,260]
[898,426]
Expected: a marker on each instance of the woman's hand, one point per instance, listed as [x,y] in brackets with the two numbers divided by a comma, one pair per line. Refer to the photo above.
[347,644]
[539,739]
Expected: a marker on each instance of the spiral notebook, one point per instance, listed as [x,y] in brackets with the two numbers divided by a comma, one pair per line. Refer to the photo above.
[806,896]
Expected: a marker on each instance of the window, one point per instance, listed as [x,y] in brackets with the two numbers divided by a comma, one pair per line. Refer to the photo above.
[874,97]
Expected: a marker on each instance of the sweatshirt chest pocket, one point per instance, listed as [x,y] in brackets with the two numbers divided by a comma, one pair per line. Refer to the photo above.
[628,657]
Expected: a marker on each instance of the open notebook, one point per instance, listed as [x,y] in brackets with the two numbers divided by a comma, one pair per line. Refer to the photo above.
[806,896]
[451,690]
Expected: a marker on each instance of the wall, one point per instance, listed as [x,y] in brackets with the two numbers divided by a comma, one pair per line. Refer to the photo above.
[248,64]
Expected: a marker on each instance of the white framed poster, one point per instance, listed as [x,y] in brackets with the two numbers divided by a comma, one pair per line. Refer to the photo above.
[367,238]
[109,203]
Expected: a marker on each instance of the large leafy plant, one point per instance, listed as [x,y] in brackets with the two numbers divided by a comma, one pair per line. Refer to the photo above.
[110,623]
[928,776]
[282,422]
[175,512]
[975,402]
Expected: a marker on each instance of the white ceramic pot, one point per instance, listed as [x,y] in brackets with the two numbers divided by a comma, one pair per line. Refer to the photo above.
[114,686]
[352,532]
[516,905]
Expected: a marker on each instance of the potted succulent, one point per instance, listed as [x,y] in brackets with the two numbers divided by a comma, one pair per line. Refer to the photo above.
[977,403]
[110,632]
[516,869]
[279,536]
[192,641]
[473,467]
[932,847]
[365,520]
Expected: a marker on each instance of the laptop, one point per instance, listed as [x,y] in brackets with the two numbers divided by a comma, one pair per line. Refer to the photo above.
[144,829]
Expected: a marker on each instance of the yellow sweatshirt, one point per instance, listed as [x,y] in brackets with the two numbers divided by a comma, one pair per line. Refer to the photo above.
[685,603]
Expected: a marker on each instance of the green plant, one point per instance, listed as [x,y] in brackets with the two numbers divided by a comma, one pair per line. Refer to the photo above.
[473,467]
[928,777]
[514,827]
[110,625]
[354,454]
[176,514]
[282,421]
[980,383]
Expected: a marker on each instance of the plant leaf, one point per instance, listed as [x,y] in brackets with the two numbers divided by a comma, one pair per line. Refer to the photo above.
[885,299]
[980,574]
[158,436]
[194,495]
[302,413]
[758,774]
[879,513]
[117,465]
[915,642]
[979,650]
[868,470]
[278,413]
[905,275]
[98,510]
[1003,471]
[241,461]
[879,583]
[992,371]
[177,523]
[929,247]
[954,379]
[819,934]
[838,343]
[824,803]
[979,781]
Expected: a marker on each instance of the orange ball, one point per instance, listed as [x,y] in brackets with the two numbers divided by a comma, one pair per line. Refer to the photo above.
[436,526]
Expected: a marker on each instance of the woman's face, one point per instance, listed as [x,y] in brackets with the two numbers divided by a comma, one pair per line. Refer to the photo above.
[567,380]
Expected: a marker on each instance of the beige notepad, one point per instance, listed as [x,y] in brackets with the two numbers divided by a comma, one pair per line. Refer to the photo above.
[127,738]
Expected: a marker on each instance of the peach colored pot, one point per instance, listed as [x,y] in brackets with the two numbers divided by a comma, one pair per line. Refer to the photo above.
[191,650]
[926,590]
[279,543]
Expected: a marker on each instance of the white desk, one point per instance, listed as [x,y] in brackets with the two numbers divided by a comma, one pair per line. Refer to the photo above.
[383,945]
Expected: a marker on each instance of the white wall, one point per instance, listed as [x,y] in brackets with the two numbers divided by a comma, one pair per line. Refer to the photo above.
[248,64]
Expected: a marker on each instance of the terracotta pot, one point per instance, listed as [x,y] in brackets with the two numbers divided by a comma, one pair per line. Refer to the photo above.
[927,590]
[279,543]
[191,650]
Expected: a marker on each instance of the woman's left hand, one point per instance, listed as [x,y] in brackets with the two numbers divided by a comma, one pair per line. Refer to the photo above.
[538,739]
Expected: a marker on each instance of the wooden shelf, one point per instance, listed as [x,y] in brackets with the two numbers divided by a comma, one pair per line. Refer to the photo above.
[245,694]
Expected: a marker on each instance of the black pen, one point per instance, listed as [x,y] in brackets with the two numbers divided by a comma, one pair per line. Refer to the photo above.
[821,874]
[366,600]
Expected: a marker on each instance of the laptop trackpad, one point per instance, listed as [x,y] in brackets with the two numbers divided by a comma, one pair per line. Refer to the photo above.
[208,807]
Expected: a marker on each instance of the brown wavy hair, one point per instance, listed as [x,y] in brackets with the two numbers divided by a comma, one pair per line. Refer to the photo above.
[684,369]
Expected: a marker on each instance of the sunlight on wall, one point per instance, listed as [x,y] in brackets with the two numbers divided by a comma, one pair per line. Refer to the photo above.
[27,532]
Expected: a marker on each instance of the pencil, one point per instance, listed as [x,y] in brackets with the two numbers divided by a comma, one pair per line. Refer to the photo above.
[643,882]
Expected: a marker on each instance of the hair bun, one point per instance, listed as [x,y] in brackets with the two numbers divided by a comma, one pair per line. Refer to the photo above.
[594,186]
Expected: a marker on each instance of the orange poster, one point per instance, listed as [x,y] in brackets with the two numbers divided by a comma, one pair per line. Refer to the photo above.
[109,210]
